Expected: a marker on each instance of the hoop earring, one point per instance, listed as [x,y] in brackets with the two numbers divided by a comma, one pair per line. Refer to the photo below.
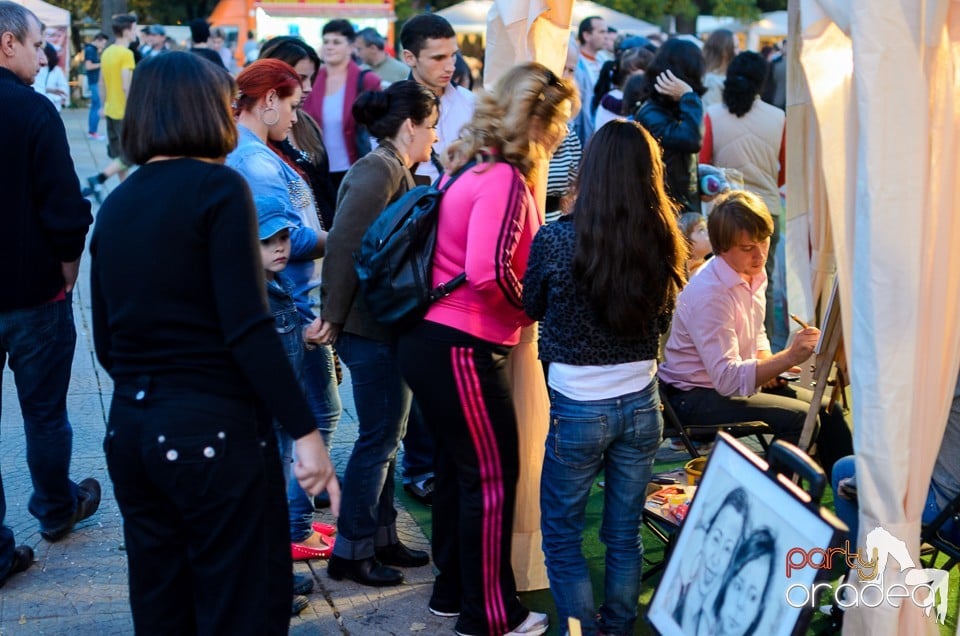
[275,119]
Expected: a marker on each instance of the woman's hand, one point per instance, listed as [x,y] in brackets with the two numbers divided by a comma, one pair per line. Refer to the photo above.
[311,333]
[672,86]
[314,470]
[327,334]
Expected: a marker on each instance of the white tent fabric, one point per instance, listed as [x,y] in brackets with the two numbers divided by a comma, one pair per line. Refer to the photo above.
[57,21]
[887,139]
[50,15]
[470,16]
[520,31]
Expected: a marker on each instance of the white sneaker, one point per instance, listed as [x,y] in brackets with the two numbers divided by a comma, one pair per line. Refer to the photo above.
[534,625]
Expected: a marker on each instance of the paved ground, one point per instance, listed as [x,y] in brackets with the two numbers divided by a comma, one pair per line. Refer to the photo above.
[79,586]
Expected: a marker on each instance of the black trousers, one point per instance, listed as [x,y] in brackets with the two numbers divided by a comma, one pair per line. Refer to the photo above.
[199,484]
[784,409]
[461,385]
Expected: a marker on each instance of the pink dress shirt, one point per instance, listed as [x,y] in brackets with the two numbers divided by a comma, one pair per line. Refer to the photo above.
[717,331]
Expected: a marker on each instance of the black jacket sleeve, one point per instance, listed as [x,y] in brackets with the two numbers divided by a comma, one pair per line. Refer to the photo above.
[64,213]
[678,131]
[535,280]
[101,331]
[240,297]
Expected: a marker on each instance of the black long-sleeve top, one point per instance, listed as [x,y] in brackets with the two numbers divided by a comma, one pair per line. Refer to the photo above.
[678,128]
[43,218]
[178,289]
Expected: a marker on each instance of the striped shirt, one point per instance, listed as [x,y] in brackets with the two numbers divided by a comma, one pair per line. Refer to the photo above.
[564,166]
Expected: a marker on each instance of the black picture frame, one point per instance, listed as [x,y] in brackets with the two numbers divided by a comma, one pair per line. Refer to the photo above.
[727,571]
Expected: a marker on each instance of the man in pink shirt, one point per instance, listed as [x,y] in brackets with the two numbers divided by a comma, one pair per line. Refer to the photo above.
[718,366]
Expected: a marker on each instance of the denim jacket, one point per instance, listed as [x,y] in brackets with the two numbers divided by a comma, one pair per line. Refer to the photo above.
[268,174]
[287,321]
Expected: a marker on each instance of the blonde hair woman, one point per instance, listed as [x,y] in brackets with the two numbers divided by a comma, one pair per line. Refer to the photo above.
[455,359]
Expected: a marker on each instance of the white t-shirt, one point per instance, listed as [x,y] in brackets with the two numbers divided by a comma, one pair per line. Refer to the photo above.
[586,383]
[333,137]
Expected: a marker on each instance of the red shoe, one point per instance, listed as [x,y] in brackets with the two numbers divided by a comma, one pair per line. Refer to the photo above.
[301,552]
[326,529]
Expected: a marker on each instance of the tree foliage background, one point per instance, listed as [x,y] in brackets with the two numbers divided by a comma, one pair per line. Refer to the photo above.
[685,11]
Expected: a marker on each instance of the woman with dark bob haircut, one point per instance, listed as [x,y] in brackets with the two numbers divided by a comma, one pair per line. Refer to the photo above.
[404,119]
[180,323]
[672,112]
[748,134]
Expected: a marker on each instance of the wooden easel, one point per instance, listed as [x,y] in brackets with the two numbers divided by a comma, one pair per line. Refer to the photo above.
[827,351]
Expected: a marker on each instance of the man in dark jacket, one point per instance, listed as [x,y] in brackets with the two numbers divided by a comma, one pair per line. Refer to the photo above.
[44,222]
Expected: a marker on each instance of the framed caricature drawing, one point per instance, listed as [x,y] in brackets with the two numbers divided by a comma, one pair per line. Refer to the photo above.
[727,574]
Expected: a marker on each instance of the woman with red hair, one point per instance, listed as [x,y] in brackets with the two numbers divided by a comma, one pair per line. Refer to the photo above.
[266,109]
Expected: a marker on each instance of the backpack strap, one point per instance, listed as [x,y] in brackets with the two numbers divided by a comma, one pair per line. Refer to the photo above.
[363,73]
[435,161]
[454,176]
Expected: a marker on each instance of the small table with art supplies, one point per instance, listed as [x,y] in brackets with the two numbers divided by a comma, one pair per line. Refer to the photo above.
[669,496]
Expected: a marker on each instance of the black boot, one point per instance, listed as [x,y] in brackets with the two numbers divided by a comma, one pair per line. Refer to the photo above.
[401,556]
[367,571]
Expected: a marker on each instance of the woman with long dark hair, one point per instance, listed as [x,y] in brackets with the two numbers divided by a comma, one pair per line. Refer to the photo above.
[180,322]
[673,113]
[602,305]
[748,134]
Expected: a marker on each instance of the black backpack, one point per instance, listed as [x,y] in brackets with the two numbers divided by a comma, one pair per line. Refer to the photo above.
[394,260]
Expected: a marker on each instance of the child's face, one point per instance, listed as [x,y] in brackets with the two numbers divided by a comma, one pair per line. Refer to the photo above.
[275,252]
[700,241]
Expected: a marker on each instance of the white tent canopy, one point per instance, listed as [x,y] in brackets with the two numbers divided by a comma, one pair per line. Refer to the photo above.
[50,15]
[470,16]
[56,22]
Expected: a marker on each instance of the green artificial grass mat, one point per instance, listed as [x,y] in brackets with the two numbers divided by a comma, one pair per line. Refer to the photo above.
[653,549]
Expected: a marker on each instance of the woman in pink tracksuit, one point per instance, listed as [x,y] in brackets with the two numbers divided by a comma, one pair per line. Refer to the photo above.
[455,359]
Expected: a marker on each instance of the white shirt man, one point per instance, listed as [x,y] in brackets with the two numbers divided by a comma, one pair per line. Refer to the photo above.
[430,50]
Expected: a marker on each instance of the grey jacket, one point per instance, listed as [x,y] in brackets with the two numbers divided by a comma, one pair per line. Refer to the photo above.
[373,182]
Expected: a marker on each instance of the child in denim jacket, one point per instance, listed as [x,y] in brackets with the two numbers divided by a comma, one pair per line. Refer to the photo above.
[275,252]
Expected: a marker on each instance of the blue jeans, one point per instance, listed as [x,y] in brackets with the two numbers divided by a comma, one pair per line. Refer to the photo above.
[367,516]
[93,118]
[39,343]
[320,381]
[418,448]
[849,511]
[619,436]
[846,509]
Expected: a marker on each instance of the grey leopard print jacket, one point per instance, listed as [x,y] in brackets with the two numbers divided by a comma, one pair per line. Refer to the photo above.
[570,331]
